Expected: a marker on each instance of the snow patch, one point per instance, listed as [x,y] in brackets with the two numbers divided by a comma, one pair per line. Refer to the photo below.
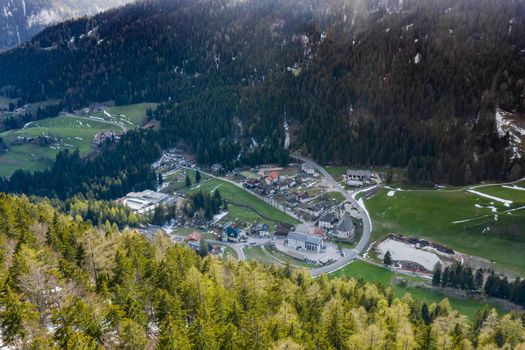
[405,252]
[505,202]
[505,125]
[417,58]
[514,187]
[492,208]
[286,134]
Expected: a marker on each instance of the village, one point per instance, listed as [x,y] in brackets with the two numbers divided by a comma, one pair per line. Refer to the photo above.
[326,225]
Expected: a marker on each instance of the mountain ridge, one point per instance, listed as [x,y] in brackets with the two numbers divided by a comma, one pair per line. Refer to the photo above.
[413,84]
[21,19]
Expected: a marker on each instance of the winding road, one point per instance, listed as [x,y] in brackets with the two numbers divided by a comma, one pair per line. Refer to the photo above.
[350,254]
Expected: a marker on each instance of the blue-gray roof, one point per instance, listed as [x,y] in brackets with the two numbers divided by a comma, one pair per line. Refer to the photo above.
[345,225]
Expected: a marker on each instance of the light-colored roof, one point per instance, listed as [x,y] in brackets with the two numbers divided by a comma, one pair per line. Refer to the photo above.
[305,238]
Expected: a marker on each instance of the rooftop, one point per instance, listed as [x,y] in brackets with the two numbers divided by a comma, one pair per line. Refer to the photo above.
[346,223]
[305,238]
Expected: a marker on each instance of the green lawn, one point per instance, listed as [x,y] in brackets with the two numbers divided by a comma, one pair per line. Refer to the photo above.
[336,197]
[230,252]
[74,133]
[242,199]
[288,259]
[337,172]
[376,274]
[177,180]
[257,254]
[517,196]
[432,213]
[131,116]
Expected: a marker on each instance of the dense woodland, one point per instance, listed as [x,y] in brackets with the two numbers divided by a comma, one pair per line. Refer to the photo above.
[67,285]
[118,169]
[17,121]
[412,84]
[463,277]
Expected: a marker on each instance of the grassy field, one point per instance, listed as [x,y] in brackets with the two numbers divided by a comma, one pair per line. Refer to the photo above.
[177,180]
[230,252]
[130,116]
[257,254]
[74,133]
[452,218]
[337,172]
[374,274]
[241,199]
[515,195]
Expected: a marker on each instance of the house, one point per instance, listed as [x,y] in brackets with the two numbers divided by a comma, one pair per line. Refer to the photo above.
[265,171]
[317,209]
[307,169]
[292,202]
[231,234]
[302,241]
[326,221]
[251,183]
[345,228]
[303,197]
[194,240]
[272,178]
[286,184]
[358,177]
[261,230]
[216,168]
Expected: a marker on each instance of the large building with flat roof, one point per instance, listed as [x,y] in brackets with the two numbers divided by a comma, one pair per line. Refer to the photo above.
[145,201]
[297,240]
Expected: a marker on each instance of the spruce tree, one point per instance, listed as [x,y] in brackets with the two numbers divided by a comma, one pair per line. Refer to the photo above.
[387,260]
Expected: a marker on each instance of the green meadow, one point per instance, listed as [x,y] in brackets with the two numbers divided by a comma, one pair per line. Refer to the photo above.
[130,116]
[458,219]
[243,205]
[73,132]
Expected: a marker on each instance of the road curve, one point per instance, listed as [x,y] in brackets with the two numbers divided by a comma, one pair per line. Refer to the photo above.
[351,254]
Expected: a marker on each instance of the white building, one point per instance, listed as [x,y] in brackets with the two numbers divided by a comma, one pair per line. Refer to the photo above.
[145,201]
[307,169]
[326,221]
[305,242]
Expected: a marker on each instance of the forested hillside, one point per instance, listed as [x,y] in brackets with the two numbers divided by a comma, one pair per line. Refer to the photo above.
[67,285]
[413,84]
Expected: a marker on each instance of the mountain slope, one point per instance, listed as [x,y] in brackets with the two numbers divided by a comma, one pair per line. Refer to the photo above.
[413,84]
[65,284]
[22,19]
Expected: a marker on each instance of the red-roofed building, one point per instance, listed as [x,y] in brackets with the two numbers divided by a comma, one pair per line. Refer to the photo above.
[194,237]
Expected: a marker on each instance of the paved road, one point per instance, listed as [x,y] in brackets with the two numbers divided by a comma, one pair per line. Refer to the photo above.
[235,246]
[350,254]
